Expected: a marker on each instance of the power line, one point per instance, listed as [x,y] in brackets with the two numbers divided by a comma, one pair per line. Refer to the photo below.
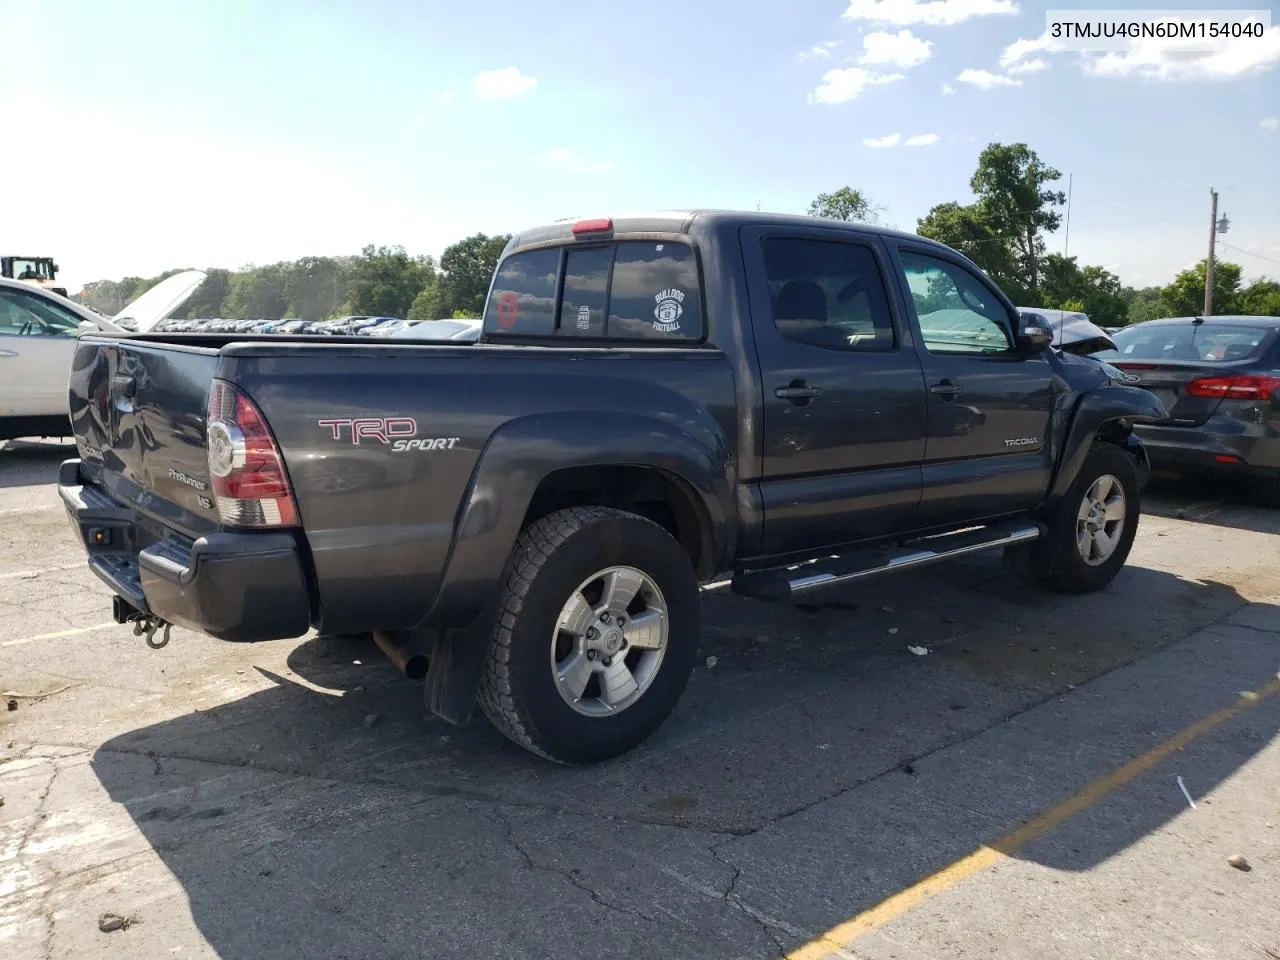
[1247,253]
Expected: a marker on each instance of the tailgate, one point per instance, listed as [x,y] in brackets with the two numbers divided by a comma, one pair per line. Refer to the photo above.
[138,412]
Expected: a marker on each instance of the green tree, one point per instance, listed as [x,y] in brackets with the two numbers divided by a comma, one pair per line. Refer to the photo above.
[1092,290]
[1014,198]
[317,286]
[258,292]
[207,299]
[1144,304]
[426,305]
[963,228]
[386,280]
[1184,297]
[845,204]
[468,268]
[1261,298]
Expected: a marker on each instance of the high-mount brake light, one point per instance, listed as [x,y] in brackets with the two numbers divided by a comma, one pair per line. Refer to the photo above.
[250,486]
[598,225]
[1243,387]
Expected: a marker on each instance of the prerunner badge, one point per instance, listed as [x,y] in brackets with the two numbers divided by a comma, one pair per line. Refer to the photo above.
[668,311]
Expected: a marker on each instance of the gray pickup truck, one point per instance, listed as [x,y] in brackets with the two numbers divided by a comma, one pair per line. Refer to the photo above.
[654,403]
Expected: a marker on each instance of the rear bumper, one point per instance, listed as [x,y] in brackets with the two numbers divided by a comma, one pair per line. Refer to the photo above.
[234,586]
[1247,449]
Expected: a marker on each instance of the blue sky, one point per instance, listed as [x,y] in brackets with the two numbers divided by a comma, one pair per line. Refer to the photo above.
[163,134]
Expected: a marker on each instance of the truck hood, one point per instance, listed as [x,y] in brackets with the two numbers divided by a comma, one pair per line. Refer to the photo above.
[160,302]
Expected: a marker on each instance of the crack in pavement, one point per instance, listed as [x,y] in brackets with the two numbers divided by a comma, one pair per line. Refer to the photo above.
[768,924]
[437,791]
[572,875]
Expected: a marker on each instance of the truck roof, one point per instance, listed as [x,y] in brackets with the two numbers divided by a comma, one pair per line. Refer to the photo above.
[684,221]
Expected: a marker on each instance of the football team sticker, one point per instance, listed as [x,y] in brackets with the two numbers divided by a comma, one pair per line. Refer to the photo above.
[668,310]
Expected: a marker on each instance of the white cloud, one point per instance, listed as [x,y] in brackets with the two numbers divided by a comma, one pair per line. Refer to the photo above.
[1020,48]
[901,49]
[948,89]
[879,143]
[1172,60]
[502,83]
[844,84]
[986,80]
[1270,123]
[1028,66]
[922,140]
[819,51]
[934,13]
[1159,59]
[572,162]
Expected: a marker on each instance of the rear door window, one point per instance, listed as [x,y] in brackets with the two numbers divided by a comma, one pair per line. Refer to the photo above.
[523,301]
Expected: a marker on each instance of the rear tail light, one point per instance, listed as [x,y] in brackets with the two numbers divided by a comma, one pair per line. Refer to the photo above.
[246,470]
[1244,387]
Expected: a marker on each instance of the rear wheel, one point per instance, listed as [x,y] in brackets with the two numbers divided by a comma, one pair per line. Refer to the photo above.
[597,633]
[1091,531]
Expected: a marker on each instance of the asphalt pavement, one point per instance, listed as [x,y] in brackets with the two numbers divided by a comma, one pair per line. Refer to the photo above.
[822,791]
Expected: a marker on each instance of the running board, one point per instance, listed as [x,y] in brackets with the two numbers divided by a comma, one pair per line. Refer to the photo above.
[785,583]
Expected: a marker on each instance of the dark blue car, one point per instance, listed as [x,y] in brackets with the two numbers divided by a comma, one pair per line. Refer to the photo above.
[1219,380]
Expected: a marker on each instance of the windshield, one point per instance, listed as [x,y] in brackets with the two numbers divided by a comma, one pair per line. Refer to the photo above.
[31,269]
[1204,343]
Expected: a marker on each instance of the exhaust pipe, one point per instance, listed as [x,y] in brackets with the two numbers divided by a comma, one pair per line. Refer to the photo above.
[406,649]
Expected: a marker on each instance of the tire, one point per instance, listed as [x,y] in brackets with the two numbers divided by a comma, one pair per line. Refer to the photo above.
[548,584]
[1058,561]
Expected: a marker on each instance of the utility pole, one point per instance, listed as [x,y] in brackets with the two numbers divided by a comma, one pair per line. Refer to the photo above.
[1208,266]
[1066,243]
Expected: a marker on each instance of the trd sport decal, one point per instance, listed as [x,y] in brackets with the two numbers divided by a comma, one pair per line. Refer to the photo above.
[400,433]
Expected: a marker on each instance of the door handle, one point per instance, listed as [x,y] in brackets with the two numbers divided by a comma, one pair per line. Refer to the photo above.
[8,353]
[798,392]
[947,389]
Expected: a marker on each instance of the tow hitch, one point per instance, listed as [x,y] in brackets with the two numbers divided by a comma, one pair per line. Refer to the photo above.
[144,624]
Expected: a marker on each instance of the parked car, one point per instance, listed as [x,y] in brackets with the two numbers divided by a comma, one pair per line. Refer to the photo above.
[462,330]
[38,330]
[654,402]
[1219,380]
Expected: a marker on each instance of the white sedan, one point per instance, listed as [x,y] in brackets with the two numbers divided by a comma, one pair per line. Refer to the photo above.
[38,331]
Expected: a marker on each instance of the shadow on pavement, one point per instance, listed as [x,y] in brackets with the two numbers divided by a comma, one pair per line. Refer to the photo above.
[328,816]
[1220,502]
[25,463]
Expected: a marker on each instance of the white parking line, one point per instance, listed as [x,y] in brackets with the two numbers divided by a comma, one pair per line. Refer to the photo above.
[35,509]
[61,633]
[31,574]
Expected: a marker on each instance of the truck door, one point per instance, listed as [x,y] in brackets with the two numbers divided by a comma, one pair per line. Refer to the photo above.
[843,392]
[987,450]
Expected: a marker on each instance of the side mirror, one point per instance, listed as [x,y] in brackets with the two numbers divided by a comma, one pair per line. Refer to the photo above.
[1035,334]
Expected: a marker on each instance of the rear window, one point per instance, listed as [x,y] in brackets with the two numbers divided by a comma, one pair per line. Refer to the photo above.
[630,290]
[1203,343]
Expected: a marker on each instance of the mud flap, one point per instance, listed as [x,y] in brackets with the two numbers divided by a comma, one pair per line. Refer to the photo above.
[458,660]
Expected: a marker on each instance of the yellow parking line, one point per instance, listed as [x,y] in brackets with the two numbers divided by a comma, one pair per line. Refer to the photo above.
[842,935]
[56,636]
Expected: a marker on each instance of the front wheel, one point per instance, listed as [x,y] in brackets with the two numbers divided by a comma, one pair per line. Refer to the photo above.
[1091,531]
[596,635]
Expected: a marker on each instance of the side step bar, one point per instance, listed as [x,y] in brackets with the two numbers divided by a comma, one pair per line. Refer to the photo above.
[785,583]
